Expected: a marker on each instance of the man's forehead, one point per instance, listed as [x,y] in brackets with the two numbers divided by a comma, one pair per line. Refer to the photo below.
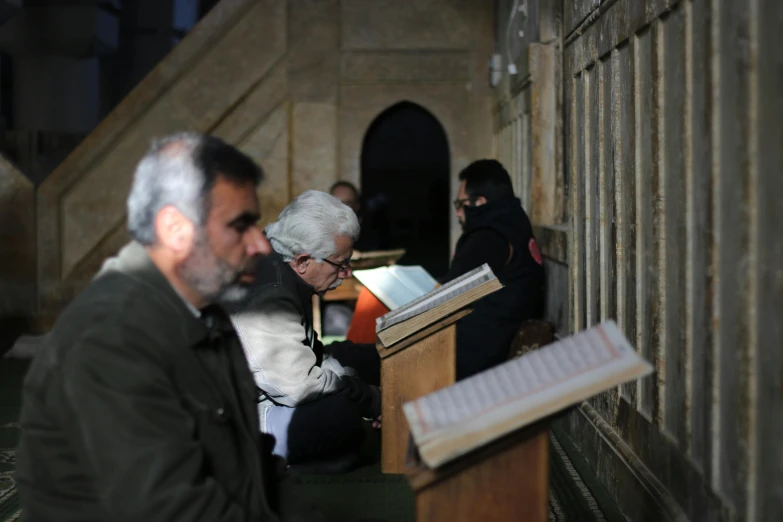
[343,193]
[229,197]
[344,245]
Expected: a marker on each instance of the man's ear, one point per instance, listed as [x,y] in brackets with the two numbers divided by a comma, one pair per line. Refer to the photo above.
[481,200]
[175,232]
[301,262]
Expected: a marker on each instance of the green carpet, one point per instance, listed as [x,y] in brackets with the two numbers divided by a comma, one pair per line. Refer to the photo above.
[365,493]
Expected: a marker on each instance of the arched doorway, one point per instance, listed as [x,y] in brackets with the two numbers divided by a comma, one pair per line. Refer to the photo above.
[405,183]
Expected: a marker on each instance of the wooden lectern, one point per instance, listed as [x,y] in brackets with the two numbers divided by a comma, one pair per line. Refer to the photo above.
[411,368]
[508,479]
[482,445]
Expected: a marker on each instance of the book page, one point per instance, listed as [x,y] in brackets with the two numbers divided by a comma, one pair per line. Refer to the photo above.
[521,391]
[415,278]
[396,286]
[436,297]
[385,286]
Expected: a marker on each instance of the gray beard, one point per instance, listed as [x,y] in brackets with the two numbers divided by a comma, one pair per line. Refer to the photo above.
[335,284]
[212,278]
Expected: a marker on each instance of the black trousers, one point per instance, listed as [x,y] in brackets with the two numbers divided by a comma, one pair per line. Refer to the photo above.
[330,426]
[363,358]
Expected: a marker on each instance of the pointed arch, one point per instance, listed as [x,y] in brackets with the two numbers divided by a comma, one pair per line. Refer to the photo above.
[405,170]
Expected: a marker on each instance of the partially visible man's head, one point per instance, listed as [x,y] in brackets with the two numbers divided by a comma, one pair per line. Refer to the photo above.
[315,235]
[348,194]
[193,203]
[481,182]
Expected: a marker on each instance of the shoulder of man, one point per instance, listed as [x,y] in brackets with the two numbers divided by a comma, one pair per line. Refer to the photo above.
[482,240]
[265,295]
[120,307]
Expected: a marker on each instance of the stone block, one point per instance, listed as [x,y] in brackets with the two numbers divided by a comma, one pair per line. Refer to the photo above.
[390,24]
[402,67]
[314,135]
[255,108]
[268,145]
[313,50]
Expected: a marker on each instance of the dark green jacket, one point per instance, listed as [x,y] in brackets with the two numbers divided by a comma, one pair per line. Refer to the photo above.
[133,412]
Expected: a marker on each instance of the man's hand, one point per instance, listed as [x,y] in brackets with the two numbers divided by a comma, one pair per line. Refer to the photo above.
[377,423]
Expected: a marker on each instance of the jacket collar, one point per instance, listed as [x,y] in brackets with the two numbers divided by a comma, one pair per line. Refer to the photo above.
[502,210]
[289,276]
[133,261]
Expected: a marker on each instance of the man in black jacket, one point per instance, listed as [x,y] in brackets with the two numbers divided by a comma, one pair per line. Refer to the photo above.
[496,231]
[140,405]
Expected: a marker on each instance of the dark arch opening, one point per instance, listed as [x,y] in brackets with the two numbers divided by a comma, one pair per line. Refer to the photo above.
[405,183]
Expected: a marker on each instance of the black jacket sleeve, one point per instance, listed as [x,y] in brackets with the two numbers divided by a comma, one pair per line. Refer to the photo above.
[366,396]
[483,245]
[362,390]
[134,434]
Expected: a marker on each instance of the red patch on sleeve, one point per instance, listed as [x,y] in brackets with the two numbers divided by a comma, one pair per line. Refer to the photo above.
[533,247]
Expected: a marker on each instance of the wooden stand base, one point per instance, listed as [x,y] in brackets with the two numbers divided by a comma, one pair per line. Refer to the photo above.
[506,480]
[412,368]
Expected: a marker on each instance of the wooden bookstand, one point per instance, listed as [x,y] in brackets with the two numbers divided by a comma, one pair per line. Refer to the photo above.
[415,366]
[507,479]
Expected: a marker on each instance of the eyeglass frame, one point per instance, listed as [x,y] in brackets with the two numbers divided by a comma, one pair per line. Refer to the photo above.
[342,267]
[461,203]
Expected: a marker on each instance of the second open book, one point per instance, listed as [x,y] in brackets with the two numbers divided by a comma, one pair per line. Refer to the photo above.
[471,413]
[413,316]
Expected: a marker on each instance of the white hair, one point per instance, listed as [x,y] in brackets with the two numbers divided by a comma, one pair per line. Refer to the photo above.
[167,175]
[310,224]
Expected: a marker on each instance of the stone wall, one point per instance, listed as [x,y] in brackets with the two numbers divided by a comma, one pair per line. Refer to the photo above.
[528,131]
[671,137]
[294,84]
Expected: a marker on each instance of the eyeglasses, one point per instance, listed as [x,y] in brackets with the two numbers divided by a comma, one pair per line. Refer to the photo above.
[342,267]
[459,203]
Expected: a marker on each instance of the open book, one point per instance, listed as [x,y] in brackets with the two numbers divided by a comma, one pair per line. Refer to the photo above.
[437,304]
[471,413]
[396,285]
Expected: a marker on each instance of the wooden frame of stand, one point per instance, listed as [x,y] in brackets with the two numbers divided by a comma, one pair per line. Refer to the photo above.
[508,479]
[415,366]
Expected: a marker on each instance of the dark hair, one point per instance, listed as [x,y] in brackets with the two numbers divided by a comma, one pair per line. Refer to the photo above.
[487,178]
[348,185]
[215,157]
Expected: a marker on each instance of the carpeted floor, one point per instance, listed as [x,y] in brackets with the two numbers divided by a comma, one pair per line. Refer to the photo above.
[11,374]
[365,493]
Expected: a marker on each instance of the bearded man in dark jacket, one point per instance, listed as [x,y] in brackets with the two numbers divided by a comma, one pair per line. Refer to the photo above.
[496,231]
[140,405]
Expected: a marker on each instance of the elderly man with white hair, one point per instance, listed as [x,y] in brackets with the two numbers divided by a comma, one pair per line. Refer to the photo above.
[309,401]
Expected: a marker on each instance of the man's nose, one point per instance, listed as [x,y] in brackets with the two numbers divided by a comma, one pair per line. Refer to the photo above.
[347,272]
[258,244]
